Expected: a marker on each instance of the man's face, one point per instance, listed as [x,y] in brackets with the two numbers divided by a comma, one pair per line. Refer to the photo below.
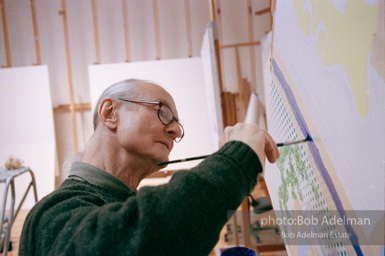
[140,132]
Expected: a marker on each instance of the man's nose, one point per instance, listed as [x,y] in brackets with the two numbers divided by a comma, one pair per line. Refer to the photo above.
[174,129]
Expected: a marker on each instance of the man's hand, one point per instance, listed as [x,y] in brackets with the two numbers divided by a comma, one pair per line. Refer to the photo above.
[258,139]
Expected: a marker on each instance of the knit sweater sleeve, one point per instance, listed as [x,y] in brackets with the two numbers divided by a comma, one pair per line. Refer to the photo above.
[182,217]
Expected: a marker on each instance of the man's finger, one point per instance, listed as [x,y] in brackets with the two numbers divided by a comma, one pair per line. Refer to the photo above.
[271,149]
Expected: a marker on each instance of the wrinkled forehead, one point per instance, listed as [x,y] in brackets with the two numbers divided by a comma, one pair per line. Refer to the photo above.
[153,92]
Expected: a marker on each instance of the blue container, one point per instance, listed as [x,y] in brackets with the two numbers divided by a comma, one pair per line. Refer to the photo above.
[239,251]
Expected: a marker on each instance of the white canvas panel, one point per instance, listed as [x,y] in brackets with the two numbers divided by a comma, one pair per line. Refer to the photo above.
[27,127]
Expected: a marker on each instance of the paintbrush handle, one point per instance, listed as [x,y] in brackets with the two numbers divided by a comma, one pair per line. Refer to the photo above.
[183,160]
[202,157]
[290,143]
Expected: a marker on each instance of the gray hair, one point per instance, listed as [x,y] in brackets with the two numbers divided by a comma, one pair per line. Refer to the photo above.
[122,89]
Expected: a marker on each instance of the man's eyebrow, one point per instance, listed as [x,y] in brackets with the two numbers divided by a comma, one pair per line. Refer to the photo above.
[165,102]
[162,100]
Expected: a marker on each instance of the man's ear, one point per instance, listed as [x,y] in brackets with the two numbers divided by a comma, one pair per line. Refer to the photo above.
[107,113]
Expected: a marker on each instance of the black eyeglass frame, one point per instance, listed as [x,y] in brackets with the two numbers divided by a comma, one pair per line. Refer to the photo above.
[160,104]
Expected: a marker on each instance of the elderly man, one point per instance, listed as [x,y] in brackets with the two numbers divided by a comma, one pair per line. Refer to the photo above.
[97,210]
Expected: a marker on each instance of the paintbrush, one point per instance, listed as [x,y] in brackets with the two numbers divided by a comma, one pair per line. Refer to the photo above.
[203,157]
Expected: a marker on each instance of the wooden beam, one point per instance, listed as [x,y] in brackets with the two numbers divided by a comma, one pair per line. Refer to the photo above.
[126,31]
[69,71]
[77,107]
[218,42]
[212,10]
[273,4]
[246,222]
[244,95]
[229,109]
[240,45]
[242,110]
[6,40]
[35,32]
[253,71]
[188,26]
[263,11]
[246,92]
[224,103]
[96,31]
[236,237]
[156,28]
[225,97]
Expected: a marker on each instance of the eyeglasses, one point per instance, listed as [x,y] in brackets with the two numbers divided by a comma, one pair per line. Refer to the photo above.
[165,115]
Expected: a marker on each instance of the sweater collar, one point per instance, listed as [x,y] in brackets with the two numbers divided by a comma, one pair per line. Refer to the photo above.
[98,177]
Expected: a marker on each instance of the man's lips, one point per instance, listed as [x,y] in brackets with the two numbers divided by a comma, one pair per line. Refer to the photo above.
[166,144]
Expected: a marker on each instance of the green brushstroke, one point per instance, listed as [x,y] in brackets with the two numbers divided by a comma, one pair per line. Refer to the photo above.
[292,173]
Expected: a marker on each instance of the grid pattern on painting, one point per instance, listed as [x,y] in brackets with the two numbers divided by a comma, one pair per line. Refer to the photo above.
[301,184]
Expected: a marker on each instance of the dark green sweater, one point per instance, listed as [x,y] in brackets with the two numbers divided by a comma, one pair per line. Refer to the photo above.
[94,213]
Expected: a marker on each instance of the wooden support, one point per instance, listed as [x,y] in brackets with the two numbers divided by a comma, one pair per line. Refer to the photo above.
[229,108]
[245,85]
[219,58]
[262,183]
[273,4]
[253,71]
[218,51]
[263,11]
[246,222]
[126,31]
[78,107]
[188,26]
[242,110]
[240,44]
[156,28]
[35,32]
[6,40]
[224,106]
[212,10]
[225,97]
[233,109]
[267,247]
[236,237]
[69,71]
[96,31]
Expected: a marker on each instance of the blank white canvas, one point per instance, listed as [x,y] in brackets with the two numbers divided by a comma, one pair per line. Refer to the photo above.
[27,127]
[211,76]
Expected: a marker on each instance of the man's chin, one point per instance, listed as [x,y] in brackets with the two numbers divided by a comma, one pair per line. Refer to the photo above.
[162,166]
[163,159]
